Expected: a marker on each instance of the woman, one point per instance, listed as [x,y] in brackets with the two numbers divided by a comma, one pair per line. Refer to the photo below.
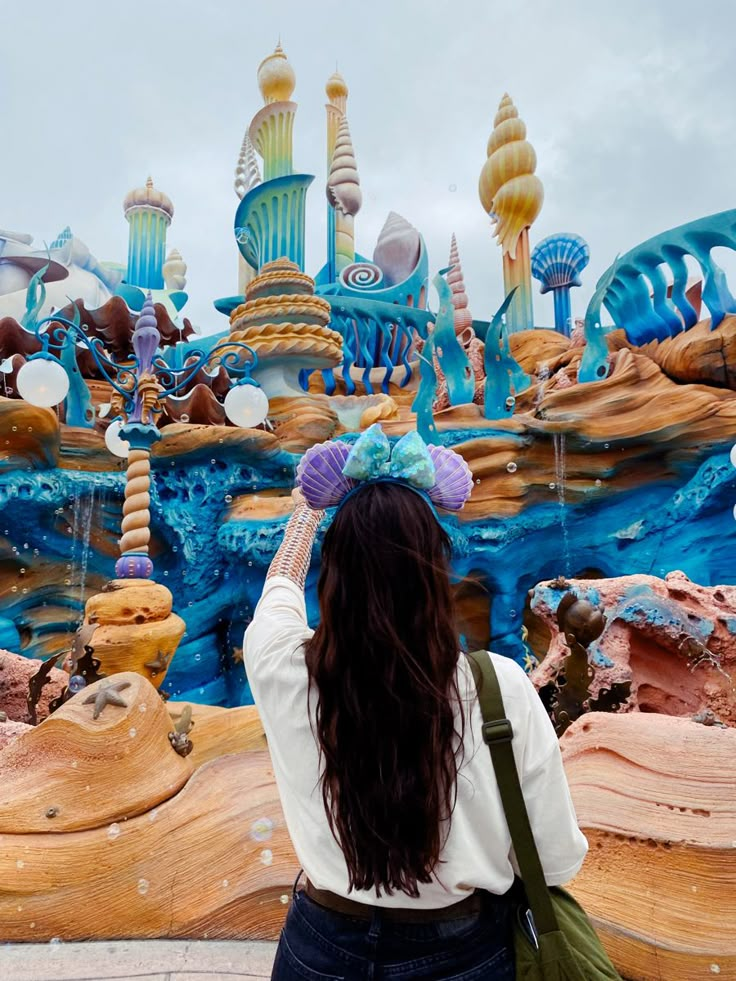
[374,731]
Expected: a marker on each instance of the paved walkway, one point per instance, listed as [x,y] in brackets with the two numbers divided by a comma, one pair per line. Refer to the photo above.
[138,960]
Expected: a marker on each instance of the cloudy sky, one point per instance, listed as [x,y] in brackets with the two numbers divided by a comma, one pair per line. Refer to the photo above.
[630,104]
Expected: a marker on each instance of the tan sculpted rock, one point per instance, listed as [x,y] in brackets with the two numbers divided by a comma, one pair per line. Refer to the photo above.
[656,798]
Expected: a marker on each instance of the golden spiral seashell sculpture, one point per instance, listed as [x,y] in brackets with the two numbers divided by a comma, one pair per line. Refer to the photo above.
[509,189]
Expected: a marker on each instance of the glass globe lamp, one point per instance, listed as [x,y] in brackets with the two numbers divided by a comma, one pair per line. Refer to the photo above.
[115,444]
[42,381]
[246,405]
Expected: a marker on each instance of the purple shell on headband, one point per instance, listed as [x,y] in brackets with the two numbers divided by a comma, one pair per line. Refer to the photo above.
[453,479]
[320,476]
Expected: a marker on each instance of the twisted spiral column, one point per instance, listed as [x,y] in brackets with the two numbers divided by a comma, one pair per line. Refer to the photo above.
[136,514]
[134,562]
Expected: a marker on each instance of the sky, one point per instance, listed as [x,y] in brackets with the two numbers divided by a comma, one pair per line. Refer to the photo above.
[630,105]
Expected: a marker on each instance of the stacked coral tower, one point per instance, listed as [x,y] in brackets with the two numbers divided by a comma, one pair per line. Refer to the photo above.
[283,319]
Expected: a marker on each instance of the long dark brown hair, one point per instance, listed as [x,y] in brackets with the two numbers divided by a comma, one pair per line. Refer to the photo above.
[382,664]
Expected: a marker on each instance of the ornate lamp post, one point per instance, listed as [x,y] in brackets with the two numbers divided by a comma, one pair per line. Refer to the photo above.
[135,629]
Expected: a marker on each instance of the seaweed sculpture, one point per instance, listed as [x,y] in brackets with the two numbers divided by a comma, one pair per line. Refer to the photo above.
[35,686]
[594,363]
[504,376]
[452,358]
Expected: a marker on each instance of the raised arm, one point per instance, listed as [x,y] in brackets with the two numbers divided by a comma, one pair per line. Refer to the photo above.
[294,553]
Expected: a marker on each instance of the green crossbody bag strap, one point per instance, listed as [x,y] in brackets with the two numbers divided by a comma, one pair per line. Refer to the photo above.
[497,735]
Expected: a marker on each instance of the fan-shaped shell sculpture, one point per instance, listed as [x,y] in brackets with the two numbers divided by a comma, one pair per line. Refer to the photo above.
[320,476]
[508,187]
[453,479]
[558,260]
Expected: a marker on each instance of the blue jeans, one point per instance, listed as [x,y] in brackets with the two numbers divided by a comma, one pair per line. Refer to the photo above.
[317,944]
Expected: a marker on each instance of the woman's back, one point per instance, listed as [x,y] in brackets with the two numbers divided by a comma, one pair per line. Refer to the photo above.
[477,848]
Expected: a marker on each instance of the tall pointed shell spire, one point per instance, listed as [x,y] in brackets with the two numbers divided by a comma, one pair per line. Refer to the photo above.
[508,187]
[463,316]
[247,174]
[343,183]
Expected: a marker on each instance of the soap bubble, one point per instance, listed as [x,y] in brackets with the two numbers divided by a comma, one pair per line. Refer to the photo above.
[225,883]
[267,856]
[261,829]
[55,941]
[76,683]
[143,886]
[452,188]
[132,732]
[510,402]
[552,485]
[284,899]
[511,467]
[113,831]
[733,455]
[184,417]
[20,864]
[228,498]
[598,482]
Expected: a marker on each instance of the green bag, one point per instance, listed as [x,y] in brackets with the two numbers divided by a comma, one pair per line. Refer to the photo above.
[553,938]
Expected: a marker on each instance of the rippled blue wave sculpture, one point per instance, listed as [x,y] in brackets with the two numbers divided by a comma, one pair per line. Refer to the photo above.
[640,298]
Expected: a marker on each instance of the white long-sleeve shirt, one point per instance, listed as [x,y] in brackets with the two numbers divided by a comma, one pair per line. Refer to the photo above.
[477,853]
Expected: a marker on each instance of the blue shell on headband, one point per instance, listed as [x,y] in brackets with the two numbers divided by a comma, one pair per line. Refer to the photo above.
[372,458]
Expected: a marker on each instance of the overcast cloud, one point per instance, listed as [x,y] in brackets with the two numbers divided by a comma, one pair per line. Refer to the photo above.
[631,106]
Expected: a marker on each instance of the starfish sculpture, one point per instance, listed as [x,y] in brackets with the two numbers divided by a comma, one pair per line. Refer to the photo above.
[107,694]
[158,664]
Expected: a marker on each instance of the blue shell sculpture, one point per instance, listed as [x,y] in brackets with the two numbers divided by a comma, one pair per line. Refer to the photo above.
[557,262]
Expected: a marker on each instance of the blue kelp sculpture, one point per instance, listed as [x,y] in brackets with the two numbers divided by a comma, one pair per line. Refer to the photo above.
[504,375]
[450,354]
[79,409]
[425,396]
[594,363]
[35,299]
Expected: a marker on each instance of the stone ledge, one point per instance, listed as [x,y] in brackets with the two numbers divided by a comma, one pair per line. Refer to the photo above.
[138,960]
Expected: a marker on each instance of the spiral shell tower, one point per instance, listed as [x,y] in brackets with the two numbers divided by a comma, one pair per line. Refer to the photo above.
[345,197]
[512,195]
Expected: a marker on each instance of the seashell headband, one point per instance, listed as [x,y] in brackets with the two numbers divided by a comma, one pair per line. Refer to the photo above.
[329,472]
